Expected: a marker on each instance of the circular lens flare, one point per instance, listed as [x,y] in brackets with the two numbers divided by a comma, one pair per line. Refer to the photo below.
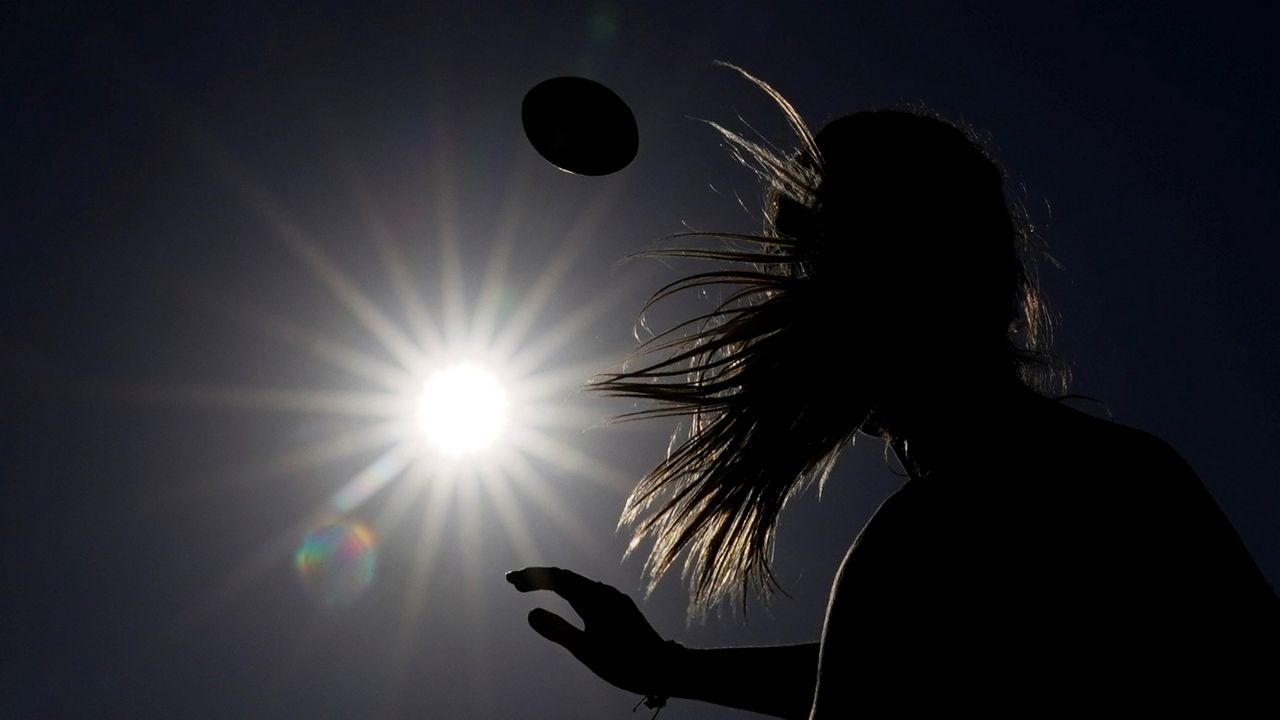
[336,562]
[463,408]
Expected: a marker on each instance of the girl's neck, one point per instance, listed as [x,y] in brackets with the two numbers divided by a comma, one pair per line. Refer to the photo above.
[947,431]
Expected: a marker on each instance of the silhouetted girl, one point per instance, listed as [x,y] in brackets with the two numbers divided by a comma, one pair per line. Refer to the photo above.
[1038,559]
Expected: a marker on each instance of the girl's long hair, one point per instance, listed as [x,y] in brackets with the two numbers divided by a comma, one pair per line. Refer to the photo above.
[759,383]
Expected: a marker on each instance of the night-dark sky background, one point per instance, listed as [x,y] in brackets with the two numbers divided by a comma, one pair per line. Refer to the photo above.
[211,216]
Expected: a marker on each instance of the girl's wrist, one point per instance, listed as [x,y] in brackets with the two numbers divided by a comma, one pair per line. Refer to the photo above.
[672,667]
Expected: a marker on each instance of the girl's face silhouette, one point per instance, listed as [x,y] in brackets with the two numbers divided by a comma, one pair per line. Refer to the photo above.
[919,250]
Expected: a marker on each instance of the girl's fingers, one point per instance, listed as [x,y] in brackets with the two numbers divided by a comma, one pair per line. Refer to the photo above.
[558,630]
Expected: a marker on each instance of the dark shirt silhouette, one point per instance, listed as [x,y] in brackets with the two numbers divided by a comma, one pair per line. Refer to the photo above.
[1066,562]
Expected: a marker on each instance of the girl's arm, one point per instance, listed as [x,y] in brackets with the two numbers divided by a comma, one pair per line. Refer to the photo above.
[617,643]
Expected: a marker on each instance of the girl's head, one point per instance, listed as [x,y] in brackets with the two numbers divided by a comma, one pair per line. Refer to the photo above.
[913,242]
[890,272]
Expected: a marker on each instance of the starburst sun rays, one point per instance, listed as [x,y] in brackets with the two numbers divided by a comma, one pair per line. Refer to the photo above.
[463,406]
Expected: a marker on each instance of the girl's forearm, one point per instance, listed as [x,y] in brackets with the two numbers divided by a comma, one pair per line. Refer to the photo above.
[775,680]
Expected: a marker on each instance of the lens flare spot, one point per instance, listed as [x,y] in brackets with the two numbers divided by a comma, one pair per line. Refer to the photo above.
[336,562]
[462,409]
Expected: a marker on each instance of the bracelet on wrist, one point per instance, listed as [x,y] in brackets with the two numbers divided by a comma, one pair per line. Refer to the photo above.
[658,700]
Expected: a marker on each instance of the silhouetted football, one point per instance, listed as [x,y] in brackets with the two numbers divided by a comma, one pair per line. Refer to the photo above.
[580,126]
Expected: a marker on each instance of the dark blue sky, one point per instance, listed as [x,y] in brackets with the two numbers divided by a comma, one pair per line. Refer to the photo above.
[159,161]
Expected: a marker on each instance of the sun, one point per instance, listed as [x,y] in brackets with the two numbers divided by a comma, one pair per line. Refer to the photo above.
[455,409]
[462,409]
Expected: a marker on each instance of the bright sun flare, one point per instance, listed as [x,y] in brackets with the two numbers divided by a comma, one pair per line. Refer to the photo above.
[476,442]
[462,409]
